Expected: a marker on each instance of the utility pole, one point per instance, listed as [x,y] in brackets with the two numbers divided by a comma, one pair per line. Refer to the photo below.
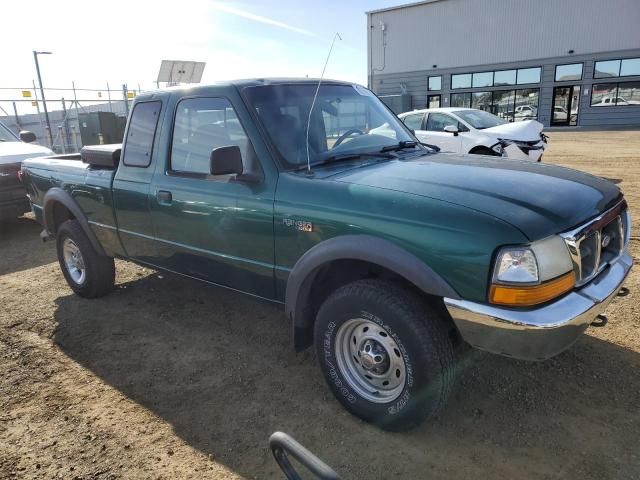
[44,102]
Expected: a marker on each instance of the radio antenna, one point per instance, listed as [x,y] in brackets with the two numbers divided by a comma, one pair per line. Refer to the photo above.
[337,35]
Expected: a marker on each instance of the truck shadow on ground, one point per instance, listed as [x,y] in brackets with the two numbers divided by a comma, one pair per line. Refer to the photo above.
[21,247]
[220,369]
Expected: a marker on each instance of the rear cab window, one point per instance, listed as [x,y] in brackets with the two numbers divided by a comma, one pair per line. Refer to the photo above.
[141,133]
[414,122]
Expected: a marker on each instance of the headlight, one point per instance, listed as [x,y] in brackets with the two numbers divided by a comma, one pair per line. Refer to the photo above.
[516,265]
[532,274]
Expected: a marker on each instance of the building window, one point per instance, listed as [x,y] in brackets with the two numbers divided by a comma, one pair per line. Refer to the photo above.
[482,79]
[528,75]
[481,100]
[526,104]
[512,105]
[461,81]
[434,83]
[433,101]
[617,68]
[630,66]
[565,73]
[504,77]
[615,94]
[461,100]
[502,104]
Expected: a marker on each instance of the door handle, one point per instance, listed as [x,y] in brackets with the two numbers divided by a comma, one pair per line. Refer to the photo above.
[164,197]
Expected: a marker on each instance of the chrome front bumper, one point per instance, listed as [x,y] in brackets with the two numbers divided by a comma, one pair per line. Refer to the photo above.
[538,333]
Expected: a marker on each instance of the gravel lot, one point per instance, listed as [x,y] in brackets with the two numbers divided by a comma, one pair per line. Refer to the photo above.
[167,378]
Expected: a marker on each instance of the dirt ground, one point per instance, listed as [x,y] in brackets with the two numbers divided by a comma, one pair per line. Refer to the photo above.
[167,378]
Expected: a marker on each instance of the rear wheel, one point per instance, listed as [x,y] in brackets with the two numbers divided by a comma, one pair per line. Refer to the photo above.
[385,353]
[88,274]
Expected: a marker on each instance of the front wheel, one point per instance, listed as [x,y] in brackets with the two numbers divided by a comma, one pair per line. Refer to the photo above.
[88,274]
[385,353]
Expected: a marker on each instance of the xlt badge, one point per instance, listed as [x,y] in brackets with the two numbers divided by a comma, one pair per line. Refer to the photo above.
[301,225]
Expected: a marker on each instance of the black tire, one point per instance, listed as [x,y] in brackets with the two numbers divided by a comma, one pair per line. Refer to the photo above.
[99,270]
[483,151]
[422,337]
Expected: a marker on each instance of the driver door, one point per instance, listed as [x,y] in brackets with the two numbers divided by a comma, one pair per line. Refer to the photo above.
[434,132]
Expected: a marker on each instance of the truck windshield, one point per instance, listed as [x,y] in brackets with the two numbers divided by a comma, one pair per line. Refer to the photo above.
[346,120]
[6,135]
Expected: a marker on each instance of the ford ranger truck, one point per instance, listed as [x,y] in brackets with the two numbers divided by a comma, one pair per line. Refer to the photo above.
[386,256]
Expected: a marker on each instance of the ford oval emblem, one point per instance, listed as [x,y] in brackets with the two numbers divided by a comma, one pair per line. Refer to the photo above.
[606,240]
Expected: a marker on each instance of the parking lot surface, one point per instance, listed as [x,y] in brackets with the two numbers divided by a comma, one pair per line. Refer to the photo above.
[168,378]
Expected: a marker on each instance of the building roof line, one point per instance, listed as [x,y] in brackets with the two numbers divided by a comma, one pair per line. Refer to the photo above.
[404,5]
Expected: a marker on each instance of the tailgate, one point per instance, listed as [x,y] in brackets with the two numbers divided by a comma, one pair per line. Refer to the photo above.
[10,186]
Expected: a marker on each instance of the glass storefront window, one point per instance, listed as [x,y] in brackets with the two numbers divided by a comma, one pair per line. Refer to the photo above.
[565,73]
[503,104]
[608,68]
[628,94]
[481,100]
[461,100]
[504,77]
[630,66]
[528,75]
[526,103]
[604,94]
[461,80]
[435,83]
[482,79]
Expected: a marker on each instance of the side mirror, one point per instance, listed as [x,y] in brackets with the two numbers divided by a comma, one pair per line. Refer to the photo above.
[452,129]
[226,160]
[27,136]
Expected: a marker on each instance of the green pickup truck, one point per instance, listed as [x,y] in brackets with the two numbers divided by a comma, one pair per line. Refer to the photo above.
[388,257]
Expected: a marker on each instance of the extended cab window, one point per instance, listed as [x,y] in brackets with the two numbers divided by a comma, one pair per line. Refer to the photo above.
[142,131]
[202,125]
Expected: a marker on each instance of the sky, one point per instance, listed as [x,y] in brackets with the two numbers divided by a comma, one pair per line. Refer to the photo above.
[124,41]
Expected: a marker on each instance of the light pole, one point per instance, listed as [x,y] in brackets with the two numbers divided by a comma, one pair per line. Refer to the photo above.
[44,101]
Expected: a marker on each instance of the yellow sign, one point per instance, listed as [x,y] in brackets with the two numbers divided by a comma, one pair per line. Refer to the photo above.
[34,104]
[26,93]
[131,94]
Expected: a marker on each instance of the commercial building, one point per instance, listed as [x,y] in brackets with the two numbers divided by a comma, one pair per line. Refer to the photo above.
[562,62]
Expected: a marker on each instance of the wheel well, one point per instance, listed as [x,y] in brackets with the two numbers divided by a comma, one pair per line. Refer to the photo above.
[333,275]
[60,214]
[482,150]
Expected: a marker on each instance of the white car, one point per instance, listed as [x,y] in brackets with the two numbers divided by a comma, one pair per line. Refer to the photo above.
[469,130]
[13,150]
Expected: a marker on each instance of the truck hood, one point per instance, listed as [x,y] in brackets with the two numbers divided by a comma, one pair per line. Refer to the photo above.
[525,131]
[16,152]
[538,199]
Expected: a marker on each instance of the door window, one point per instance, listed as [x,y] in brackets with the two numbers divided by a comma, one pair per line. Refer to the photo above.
[433,101]
[202,125]
[142,130]
[437,121]
[414,122]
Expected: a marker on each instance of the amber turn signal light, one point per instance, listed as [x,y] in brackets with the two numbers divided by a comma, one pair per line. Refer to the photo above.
[525,296]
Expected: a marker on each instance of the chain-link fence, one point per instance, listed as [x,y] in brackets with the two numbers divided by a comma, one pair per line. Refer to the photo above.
[77,116]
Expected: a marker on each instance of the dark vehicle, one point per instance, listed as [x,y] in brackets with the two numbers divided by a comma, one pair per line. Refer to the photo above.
[385,256]
[13,149]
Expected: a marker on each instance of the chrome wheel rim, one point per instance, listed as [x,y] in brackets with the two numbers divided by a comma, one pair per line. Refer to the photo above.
[73,261]
[370,360]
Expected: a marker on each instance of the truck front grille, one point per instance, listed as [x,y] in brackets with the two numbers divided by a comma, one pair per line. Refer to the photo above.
[598,243]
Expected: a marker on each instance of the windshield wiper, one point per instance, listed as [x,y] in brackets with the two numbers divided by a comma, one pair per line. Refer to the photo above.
[404,144]
[350,156]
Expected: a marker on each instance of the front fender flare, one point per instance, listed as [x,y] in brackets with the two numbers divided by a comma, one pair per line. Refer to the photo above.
[57,195]
[367,248]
